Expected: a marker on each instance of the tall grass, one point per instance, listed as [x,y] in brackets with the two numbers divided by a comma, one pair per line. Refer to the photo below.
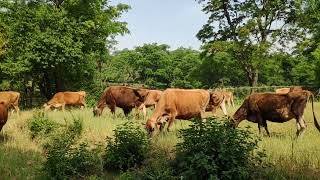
[21,157]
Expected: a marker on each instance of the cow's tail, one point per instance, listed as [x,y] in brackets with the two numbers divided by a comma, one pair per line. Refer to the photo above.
[314,116]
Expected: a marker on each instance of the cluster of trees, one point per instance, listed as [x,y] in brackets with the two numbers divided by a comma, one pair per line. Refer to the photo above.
[56,45]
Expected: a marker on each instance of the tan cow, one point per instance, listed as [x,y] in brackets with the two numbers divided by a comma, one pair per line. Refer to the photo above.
[217,99]
[286,90]
[150,101]
[178,103]
[3,114]
[228,98]
[11,98]
[61,99]
[260,107]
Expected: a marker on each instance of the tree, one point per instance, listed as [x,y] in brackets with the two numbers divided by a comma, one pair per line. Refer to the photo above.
[57,46]
[308,49]
[186,63]
[155,65]
[218,66]
[252,25]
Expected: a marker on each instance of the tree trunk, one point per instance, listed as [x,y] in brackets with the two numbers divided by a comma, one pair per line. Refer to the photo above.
[58,81]
[45,87]
[252,75]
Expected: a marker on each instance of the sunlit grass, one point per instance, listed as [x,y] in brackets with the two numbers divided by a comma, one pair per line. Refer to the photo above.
[296,158]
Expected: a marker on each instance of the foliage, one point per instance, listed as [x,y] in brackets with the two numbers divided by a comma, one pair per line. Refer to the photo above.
[66,159]
[309,46]
[252,26]
[41,126]
[157,166]
[128,149]
[54,46]
[213,150]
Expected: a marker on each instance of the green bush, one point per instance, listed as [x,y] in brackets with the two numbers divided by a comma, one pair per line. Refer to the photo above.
[41,125]
[128,149]
[214,150]
[68,160]
[157,166]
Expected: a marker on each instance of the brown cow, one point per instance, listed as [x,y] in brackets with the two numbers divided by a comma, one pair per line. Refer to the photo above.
[150,101]
[260,107]
[3,114]
[286,90]
[61,99]
[11,98]
[217,99]
[123,97]
[178,103]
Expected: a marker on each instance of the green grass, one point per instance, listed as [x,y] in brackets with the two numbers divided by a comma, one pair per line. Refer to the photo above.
[21,157]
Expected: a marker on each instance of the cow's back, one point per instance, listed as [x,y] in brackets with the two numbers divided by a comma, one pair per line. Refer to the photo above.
[185,102]
[124,97]
[265,102]
[10,97]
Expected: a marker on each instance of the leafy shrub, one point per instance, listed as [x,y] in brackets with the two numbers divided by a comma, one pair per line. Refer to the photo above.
[213,150]
[157,166]
[66,160]
[41,125]
[128,149]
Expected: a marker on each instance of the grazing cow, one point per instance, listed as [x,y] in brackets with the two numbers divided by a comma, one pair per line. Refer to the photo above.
[61,99]
[286,90]
[150,101]
[260,107]
[228,98]
[3,114]
[123,97]
[11,98]
[178,103]
[217,99]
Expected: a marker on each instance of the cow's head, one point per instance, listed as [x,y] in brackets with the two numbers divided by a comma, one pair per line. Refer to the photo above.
[141,93]
[216,98]
[150,127]
[96,111]
[152,124]
[241,114]
[46,107]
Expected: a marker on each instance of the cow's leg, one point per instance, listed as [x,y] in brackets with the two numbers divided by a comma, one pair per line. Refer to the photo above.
[259,121]
[266,127]
[298,128]
[63,106]
[171,120]
[223,108]
[302,126]
[82,106]
[232,103]
[171,117]
[228,103]
[126,111]
[161,126]
[16,108]
[144,110]
[259,127]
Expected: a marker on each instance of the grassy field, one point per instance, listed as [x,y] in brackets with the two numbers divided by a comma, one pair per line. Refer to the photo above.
[21,157]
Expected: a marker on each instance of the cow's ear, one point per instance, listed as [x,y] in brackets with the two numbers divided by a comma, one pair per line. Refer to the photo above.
[141,93]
